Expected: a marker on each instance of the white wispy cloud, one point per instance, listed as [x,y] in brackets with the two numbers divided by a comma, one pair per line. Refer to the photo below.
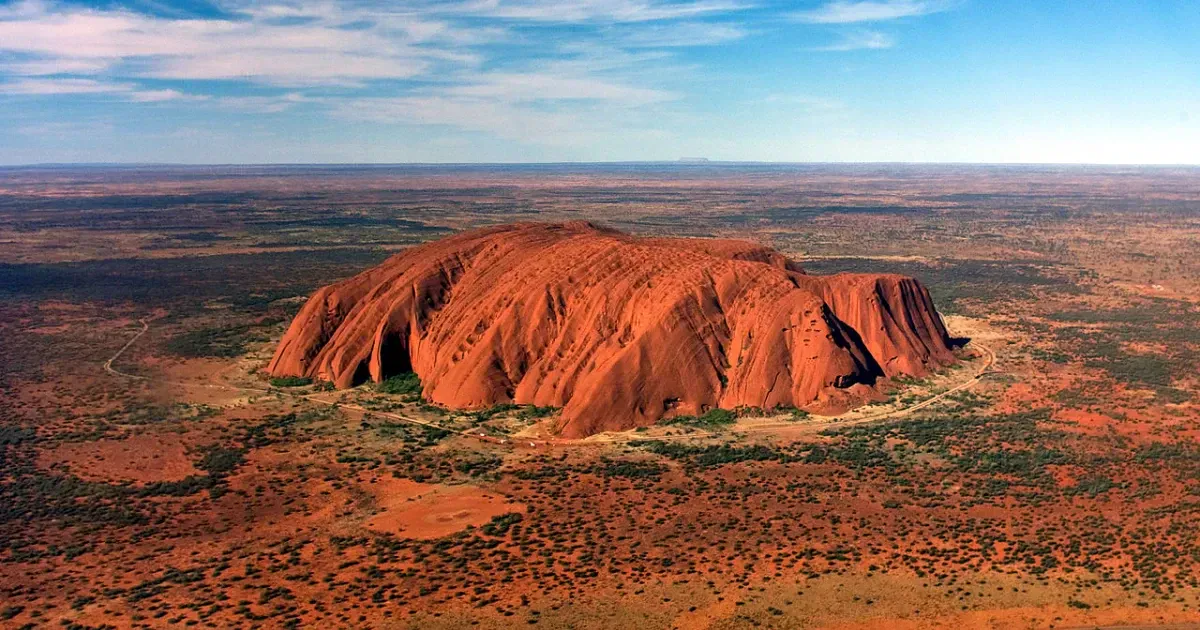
[326,43]
[854,11]
[500,67]
[66,129]
[462,113]
[59,86]
[158,96]
[860,40]
[273,104]
[62,86]
[575,127]
[41,67]
[323,49]
[594,10]
[538,86]
[682,34]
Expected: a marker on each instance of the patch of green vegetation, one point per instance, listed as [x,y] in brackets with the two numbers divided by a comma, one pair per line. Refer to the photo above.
[499,525]
[156,586]
[532,412]
[711,455]
[478,466]
[629,469]
[1051,356]
[185,284]
[1163,452]
[483,415]
[1150,313]
[1006,444]
[711,419]
[416,435]
[953,282]
[854,454]
[218,341]
[1139,370]
[1093,486]
[221,461]
[1101,338]
[405,384]
[275,427]
[12,435]
[1173,395]
[291,381]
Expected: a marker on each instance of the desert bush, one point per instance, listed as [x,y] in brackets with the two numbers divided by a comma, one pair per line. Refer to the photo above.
[712,418]
[407,383]
[291,381]
[499,525]
[219,341]
[221,461]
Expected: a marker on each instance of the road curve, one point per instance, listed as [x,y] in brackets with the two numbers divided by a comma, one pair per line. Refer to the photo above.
[108,365]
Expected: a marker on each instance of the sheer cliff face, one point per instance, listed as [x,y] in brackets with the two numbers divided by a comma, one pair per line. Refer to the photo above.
[619,331]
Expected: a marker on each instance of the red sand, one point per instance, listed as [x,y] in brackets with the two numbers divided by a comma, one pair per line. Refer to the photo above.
[415,510]
[145,458]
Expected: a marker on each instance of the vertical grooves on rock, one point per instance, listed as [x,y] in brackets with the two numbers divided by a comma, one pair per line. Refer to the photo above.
[616,330]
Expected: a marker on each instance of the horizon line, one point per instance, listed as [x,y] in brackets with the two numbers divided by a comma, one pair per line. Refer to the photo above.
[686,162]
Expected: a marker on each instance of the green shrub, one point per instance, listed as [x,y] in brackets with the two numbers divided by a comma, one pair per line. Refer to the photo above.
[629,469]
[220,461]
[533,411]
[711,419]
[219,341]
[291,381]
[407,383]
[499,525]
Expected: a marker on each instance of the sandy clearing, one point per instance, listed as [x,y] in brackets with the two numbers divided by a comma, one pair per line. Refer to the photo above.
[415,510]
[145,458]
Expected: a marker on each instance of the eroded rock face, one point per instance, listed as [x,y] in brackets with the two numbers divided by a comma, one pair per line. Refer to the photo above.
[617,330]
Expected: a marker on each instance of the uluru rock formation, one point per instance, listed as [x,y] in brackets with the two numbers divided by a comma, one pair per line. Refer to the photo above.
[617,330]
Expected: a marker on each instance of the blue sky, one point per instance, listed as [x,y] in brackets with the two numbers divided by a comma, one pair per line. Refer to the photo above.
[250,81]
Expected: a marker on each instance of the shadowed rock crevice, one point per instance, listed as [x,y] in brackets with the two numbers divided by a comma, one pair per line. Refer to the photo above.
[617,330]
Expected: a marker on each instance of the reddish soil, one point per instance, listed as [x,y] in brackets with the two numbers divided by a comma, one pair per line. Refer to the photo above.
[1060,491]
[140,458]
[408,509]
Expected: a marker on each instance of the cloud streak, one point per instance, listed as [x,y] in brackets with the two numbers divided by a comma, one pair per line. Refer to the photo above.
[317,52]
[624,11]
[539,87]
[126,91]
[682,34]
[860,40]
[856,11]
[554,72]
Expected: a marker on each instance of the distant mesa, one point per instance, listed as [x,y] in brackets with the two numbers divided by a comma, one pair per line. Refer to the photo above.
[619,331]
[693,160]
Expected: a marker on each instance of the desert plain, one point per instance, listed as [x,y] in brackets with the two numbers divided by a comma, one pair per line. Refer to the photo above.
[155,473]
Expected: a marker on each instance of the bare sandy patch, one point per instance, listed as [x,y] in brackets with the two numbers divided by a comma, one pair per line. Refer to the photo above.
[415,510]
[705,617]
[139,458]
